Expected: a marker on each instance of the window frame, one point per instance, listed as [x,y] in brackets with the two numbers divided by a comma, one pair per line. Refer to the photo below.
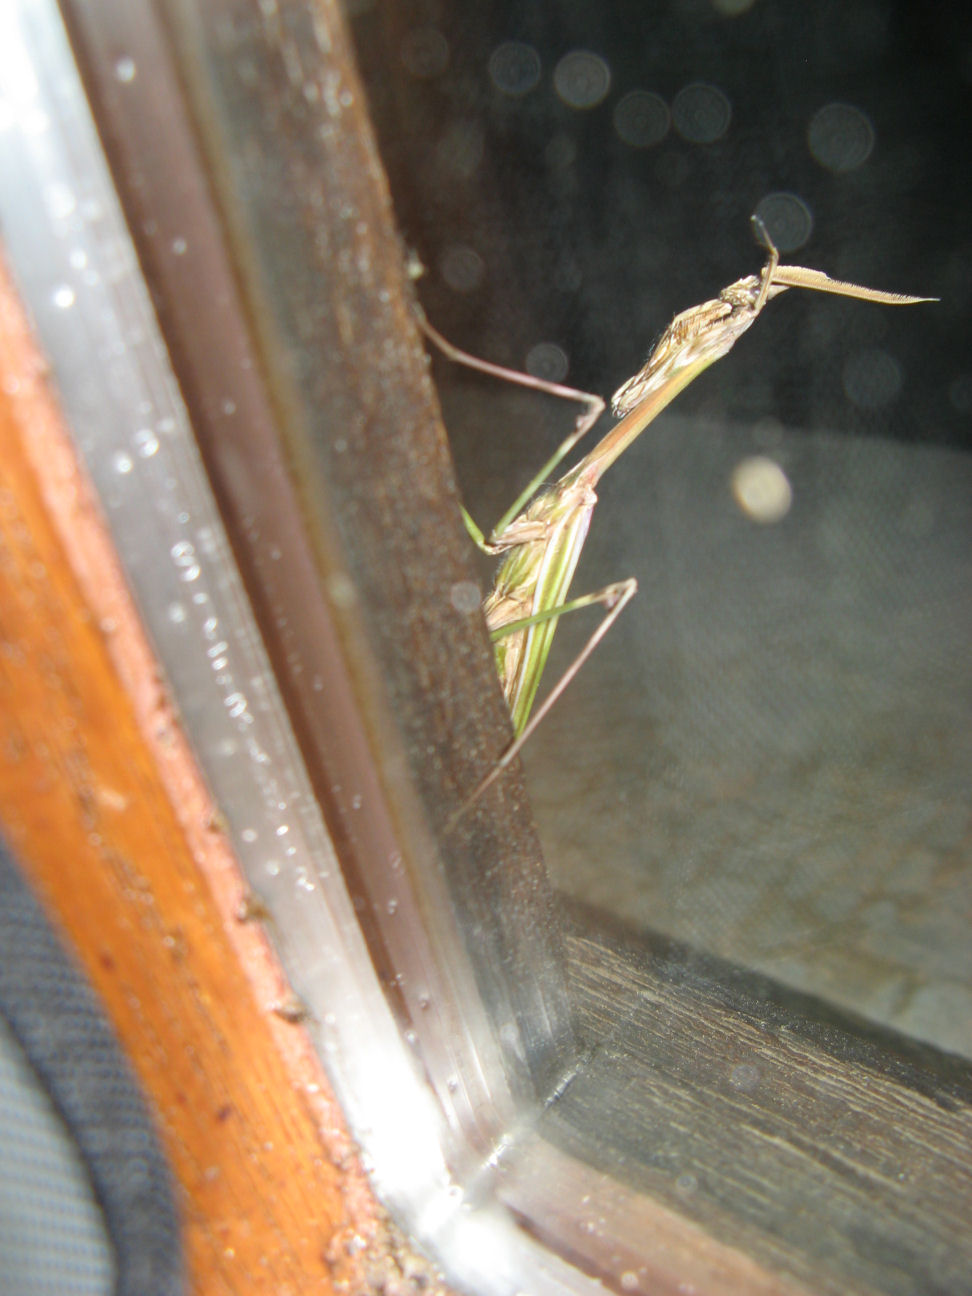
[264,310]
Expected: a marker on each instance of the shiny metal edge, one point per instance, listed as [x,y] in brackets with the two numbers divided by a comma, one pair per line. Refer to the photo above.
[74,264]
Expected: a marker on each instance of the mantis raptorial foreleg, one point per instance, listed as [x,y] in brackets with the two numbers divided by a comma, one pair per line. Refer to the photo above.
[542,544]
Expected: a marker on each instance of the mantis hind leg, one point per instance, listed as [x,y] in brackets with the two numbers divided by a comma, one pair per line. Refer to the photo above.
[614,599]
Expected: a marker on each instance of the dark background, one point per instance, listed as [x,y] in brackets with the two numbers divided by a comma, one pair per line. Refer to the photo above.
[552,227]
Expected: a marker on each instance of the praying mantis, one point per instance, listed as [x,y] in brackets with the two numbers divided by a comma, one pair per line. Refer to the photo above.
[542,534]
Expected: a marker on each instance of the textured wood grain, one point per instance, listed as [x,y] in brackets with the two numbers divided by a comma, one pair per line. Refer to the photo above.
[832,1152]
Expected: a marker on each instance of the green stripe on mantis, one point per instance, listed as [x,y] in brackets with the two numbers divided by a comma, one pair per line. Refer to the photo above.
[534,579]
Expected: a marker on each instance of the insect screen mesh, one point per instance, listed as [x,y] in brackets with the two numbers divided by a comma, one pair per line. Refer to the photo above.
[769,757]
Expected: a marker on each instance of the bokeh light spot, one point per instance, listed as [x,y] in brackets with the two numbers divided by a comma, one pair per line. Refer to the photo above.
[425,52]
[461,148]
[462,268]
[788,219]
[761,489]
[582,79]
[560,153]
[840,137]
[514,68]
[465,596]
[701,113]
[872,378]
[547,360]
[641,118]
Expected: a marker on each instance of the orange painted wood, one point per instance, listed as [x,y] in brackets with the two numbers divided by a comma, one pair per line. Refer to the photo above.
[102,805]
